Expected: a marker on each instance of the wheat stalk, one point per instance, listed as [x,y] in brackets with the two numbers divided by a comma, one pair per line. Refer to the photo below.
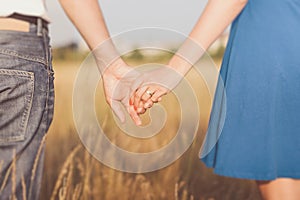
[62,194]
[35,164]
[23,188]
[13,176]
[1,165]
[176,191]
[63,172]
[77,192]
[88,172]
[69,179]
[6,176]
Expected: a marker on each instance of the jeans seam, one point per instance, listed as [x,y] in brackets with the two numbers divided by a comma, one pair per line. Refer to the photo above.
[16,72]
[46,47]
[26,113]
[45,118]
[28,104]
[29,58]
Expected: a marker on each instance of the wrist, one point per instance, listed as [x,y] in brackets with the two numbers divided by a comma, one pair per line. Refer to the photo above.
[180,65]
[118,68]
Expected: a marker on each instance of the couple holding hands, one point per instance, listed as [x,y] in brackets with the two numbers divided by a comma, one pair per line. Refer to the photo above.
[260,70]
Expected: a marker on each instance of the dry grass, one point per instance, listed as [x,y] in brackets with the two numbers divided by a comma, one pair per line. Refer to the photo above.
[70,172]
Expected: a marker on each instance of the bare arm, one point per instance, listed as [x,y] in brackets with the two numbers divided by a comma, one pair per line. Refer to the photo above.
[216,17]
[86,15]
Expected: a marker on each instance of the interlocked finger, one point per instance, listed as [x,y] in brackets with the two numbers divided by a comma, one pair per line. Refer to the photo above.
[158,94]
[138,96]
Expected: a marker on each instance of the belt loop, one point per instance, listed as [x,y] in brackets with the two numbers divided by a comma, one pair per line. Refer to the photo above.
[39,27]
[44,33]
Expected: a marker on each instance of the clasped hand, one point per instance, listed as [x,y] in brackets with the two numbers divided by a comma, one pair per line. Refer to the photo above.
[137,91]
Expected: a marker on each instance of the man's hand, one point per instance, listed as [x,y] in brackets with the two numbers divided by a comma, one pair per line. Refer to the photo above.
[118,79]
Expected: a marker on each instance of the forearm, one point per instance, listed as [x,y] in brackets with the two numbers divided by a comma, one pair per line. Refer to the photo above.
[216,17]
[86,15]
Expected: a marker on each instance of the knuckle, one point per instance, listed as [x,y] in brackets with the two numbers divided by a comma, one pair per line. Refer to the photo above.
[137,96]
[144,98]
[154,99]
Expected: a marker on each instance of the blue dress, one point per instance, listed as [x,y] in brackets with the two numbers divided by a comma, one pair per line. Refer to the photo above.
[254,129]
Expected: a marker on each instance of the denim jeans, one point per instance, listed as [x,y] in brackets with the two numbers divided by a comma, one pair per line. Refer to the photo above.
[26,110]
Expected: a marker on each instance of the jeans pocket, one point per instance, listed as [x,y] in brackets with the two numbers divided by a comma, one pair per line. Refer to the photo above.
[16,94]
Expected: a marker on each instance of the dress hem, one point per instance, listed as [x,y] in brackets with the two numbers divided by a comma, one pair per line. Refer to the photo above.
[251,175]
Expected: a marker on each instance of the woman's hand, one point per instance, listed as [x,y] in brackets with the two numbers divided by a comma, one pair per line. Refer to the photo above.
[152,85]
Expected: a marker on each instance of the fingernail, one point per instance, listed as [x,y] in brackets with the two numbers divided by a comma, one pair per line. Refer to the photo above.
[138,123]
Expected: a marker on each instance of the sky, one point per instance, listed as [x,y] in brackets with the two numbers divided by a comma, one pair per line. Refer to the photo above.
[125,15]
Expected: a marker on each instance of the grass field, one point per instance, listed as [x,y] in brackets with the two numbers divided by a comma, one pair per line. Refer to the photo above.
[70,172]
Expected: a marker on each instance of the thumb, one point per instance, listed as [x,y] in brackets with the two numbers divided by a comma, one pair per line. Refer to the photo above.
[132,112]
[118,110]
[134,116]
